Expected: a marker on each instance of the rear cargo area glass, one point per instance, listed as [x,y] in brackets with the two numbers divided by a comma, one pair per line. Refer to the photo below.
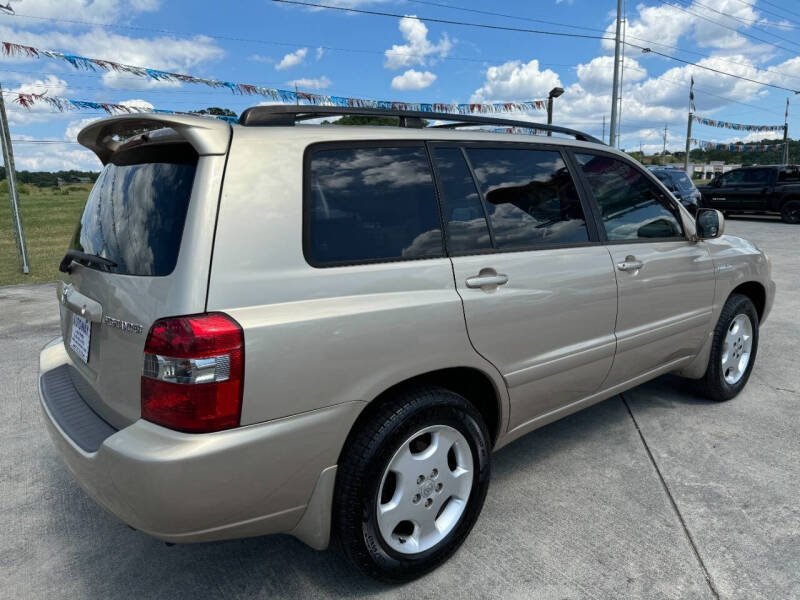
[136,211]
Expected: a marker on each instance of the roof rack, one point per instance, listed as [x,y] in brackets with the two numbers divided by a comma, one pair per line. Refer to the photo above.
[288,115]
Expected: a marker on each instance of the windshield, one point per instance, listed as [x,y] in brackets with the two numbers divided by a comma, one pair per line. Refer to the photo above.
[683,180]
[136,211]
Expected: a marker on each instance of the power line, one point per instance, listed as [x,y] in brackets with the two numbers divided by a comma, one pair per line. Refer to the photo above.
[705,91]
[535,31]
[773,13]
[380,52]
[713,70]
[750,22]
[516,17]
[448,21]
[744,33]
[268,42]
[507,16]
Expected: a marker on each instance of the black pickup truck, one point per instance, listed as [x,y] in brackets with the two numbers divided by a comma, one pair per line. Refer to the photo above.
[767,189]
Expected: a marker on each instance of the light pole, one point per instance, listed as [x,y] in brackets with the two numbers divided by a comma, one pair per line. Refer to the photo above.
[554,93]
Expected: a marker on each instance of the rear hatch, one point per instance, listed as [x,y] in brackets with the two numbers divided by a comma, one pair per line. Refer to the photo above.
[141,250]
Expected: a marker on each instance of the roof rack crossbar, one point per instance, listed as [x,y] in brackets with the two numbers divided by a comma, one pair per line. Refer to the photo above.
[288,115]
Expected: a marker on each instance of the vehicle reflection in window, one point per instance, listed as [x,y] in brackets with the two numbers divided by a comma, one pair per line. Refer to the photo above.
[530,197]
[631,205]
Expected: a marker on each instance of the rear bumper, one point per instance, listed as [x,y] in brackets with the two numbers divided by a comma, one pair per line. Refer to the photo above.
[181,487]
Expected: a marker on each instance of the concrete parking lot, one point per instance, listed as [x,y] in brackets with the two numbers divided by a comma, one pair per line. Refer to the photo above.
[657,494]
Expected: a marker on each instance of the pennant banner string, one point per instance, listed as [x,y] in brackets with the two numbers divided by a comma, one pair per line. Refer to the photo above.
[707,145]
[62,104]
[736,126]
[277,95]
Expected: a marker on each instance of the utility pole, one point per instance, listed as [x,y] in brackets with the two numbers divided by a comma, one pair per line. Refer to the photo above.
[664,151]
[786,135]
[688,144]
[689,130]
[11,177]
[612,137]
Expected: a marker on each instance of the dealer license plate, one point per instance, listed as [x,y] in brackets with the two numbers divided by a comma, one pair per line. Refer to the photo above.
[81,336]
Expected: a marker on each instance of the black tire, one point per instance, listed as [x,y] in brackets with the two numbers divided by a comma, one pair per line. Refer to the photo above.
[713,384]
[364,459]
[790,212]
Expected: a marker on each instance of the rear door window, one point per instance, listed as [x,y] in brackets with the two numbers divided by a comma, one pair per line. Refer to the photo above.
[530,197]
[632,207]
[757,176]
[464,216]
[370,204]
[137,209]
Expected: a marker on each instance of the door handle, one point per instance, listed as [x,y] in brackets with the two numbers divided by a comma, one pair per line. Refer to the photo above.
[487,279]
[630,264]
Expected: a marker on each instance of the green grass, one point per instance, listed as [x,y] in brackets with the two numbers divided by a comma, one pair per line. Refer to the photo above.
[49,218]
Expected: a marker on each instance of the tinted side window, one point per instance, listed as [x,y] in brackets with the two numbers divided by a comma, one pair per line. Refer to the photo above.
[733,178]
[530,197]
[631,206]
[757,176]
[370,204]
[789,174]
[464,216]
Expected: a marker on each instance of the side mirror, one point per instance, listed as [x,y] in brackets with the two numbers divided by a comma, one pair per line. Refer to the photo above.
[710,223]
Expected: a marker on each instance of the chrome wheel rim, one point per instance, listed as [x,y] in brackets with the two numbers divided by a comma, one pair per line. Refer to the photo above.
[425,489]
[736,349]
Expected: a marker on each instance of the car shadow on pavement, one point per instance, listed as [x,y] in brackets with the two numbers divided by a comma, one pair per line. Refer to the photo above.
[103,558]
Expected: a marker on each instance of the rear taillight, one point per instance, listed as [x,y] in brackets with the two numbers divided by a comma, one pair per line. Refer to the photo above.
[193,373]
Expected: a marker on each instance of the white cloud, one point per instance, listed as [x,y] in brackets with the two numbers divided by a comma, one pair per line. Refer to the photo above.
[666,24]
[515,80]
[262,59]
[313,83]
[292,59]
[75,127]
[413,80]
[100,10]
[54,157]
[51,85]
[597,75]
[164,52]
[320,52]
[138,103]
[418,50]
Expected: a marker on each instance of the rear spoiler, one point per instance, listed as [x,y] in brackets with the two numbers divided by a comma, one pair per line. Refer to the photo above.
[206,135]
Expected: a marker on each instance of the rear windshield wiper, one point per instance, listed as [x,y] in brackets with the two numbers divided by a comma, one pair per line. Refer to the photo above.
[86,259]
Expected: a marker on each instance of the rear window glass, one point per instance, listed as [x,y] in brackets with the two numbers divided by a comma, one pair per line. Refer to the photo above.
[136,211]
[371,204]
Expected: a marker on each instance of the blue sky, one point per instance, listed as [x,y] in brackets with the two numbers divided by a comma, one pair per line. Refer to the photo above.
[333,52]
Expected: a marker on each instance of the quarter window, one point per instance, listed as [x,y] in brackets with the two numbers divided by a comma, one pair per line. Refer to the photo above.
[530,197]
[631,206]
[371,204]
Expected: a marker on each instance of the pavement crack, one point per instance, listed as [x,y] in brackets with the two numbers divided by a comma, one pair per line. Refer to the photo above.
[672,502]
